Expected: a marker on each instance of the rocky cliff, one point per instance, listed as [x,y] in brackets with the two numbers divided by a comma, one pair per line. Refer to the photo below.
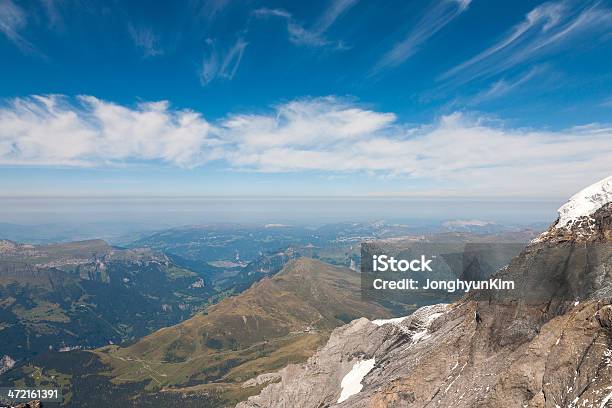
[547,345]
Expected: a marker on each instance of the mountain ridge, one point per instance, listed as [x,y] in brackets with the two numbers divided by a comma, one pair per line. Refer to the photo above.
[548,351]
[209,359]
[65,296]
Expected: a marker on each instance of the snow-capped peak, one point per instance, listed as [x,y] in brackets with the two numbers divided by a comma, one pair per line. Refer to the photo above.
[586,202]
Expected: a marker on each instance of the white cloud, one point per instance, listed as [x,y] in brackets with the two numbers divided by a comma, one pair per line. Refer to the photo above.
[458,153]
[434,19]
[308,123]
[546,29]
[53,130]
[221,65]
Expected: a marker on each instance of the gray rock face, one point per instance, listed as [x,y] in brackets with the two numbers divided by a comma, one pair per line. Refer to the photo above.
[317,383]
[548,346]
[456,362]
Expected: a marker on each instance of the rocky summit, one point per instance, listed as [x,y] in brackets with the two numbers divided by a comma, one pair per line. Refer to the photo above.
[547,345]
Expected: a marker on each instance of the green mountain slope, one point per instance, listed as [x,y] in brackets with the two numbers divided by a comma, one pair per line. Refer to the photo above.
[279,320]
[88,294]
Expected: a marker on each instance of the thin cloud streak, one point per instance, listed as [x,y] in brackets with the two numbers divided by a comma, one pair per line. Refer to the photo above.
[145,40]
[221,65]
[315,35]
[232,60]
[548,28]
[12,21]
[506,86]
[434,19]
[209,9]
[330,135]
[332,13]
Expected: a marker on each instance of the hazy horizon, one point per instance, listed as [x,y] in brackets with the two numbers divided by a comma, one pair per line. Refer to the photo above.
[290,210]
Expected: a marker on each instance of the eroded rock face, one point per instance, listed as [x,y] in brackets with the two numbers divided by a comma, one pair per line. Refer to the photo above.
[317,383]
[458,363]
[548,346]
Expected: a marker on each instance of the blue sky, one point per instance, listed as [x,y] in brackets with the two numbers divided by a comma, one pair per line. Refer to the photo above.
[337,97]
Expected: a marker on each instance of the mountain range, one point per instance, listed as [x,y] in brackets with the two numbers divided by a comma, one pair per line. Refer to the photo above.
[249,326]
[280,320]
[87,294]
[549,344]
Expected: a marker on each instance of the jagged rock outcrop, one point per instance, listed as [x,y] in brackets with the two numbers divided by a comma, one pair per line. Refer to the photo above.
[547,345]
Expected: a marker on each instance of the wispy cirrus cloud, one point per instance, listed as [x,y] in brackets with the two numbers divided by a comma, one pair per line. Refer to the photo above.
[54,15]
[439,14]
[12,21]
[313,35]
[221,64]
[209,8]
[455,153]
[505,86]
[336,9]
[145,40]
[548,28]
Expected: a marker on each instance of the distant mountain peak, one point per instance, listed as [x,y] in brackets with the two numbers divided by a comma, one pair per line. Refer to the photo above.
[585,203]
[586,217]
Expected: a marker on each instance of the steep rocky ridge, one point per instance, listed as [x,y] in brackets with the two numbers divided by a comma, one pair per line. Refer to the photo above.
[547,345]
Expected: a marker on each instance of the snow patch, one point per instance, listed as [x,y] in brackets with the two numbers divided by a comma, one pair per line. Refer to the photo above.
[351,383]
[426,313]
[420,335]
[418,328]
[380,322]
[432,317]
[585,202]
